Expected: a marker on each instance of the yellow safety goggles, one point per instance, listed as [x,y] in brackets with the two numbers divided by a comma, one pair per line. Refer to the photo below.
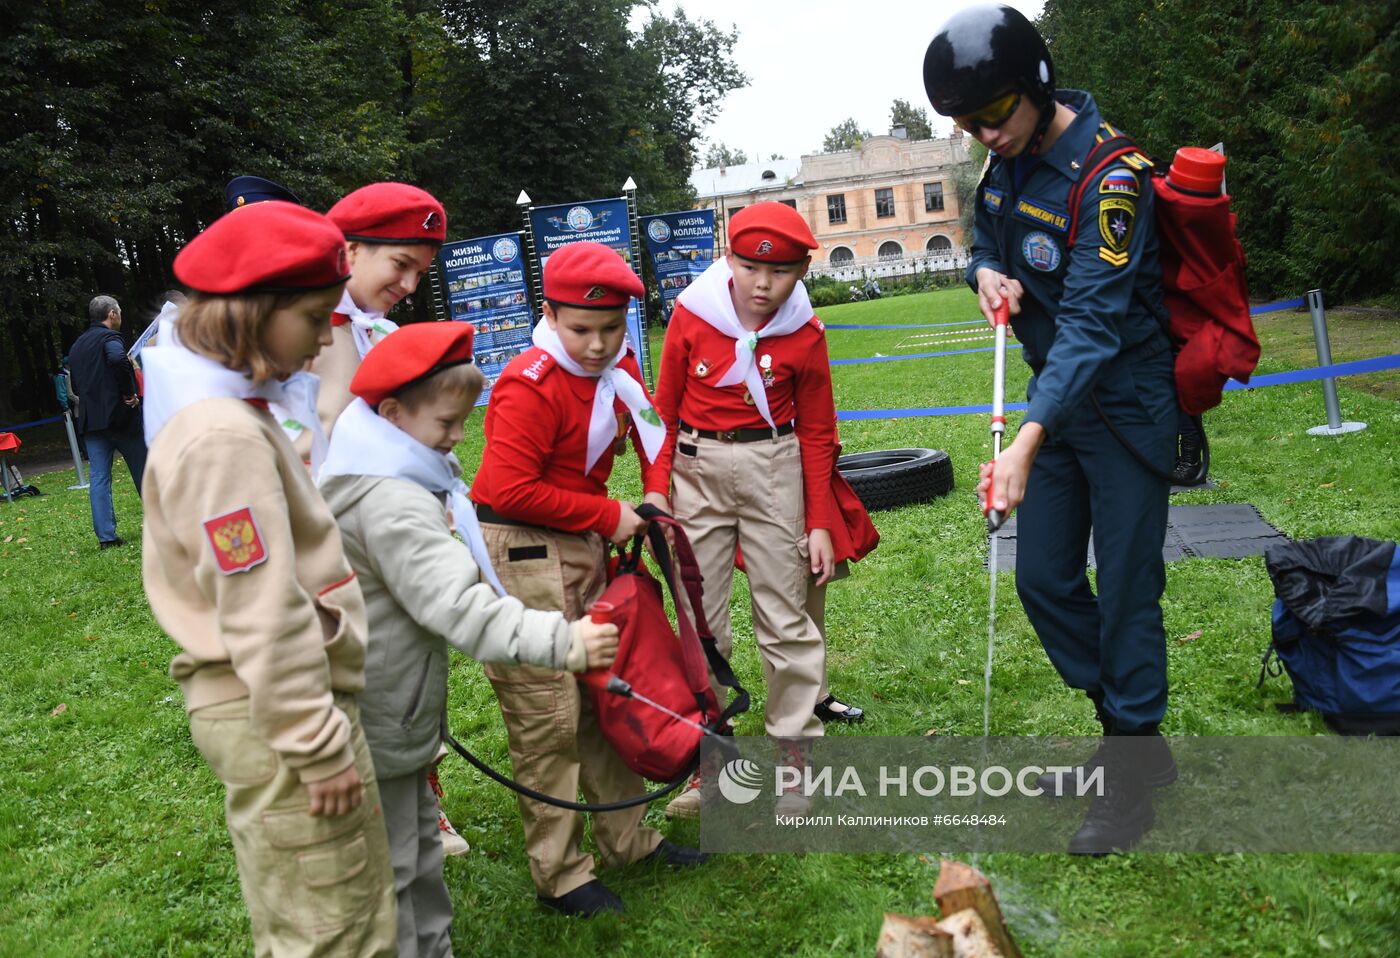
[991,116]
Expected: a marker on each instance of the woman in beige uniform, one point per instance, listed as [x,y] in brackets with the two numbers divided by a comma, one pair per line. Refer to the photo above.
[244,569]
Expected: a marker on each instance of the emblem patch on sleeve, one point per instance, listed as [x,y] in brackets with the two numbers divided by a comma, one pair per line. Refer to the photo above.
[1119,180]
[1116,228]
[237,544]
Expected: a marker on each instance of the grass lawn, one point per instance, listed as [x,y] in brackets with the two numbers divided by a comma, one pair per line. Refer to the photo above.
[111,834]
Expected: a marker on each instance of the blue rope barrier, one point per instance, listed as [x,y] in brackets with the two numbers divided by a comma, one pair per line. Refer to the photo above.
[896,359]
[969,322]
[1356,367]
[26,425]
[1275,307]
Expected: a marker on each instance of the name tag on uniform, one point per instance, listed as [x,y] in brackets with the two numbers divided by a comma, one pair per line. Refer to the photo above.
[1042,215]
[993,199]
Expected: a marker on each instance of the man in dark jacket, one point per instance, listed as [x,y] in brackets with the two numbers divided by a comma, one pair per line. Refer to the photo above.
[109,417]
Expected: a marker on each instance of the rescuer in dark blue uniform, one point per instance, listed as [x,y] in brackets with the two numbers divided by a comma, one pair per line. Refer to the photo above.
[1084,315]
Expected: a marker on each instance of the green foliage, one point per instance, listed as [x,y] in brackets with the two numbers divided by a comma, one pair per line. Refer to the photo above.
[846,135]
[124,122]
[722,154]
[913,119]
[966,177]
[1301,94]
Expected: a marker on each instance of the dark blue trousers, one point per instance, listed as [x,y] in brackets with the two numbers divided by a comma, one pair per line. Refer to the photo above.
[1085,482]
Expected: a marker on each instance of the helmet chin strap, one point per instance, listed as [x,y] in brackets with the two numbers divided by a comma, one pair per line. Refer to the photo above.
[1047,115]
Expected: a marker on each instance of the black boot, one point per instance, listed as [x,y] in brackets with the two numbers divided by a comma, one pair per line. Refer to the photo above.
[1191,465]
[1122,814]
[1159,768]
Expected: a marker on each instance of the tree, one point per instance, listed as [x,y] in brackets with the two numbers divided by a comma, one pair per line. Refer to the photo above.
[721,154]
[1301,97]
[914,120]
[846,135]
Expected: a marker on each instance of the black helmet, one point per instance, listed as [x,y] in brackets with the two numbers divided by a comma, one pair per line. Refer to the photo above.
[981,53]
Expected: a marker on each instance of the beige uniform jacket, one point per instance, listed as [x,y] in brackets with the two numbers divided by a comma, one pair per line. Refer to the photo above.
[243,568]
[423,591]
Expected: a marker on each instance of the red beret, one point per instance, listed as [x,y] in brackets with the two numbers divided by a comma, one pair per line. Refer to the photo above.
[770,233]
[410,354]
[590,276]
[272,247]
[391,213]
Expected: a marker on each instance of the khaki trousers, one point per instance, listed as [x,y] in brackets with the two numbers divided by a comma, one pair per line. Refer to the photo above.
[749,494]
[816,611]
[415,850]
[314,886]
[556,746]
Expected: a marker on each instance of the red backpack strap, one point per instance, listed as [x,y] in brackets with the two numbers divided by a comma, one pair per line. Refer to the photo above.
[694,637]
[1104,153]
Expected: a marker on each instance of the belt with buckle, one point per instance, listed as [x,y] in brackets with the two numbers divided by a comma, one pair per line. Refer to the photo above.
[739,435]
[485,513]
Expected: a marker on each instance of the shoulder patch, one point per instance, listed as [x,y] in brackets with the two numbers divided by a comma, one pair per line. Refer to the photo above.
[817,324]
[1120,180]
[537,364]
[236,541]
[992,199]
[1116,215]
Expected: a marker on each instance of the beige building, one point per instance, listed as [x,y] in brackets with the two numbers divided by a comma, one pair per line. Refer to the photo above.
[887,208]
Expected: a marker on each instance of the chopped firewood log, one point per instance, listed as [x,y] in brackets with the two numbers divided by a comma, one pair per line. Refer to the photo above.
[970,936]
[913,936]
[961,887]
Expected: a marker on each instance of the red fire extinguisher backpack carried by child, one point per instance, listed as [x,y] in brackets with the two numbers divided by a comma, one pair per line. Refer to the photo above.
[655,704]
[1203,284]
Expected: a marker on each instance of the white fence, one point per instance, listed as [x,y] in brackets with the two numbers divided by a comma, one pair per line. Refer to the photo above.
[879,267]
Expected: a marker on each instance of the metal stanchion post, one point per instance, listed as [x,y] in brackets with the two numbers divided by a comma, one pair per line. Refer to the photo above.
[1334,425]
[73,447]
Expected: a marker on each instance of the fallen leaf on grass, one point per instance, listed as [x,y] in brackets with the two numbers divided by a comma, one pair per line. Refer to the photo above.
[60,709]
[22,539]
[9,538]
[964,681]
[1191,638]
[91,638]
[930,733]
[1327,485]
[72,615]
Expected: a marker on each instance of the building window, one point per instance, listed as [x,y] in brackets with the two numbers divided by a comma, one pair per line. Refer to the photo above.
[933,197]
[890,250]
[792,203]
[939,245]
[884,203]
[836,208]
[841,256]
[734,209]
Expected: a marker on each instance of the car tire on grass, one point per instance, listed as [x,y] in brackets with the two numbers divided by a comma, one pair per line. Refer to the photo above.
[887,478]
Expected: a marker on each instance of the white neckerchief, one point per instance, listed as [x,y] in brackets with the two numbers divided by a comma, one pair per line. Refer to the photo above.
[708,297]
[602,425]
[369,329]
[165,318]
[177,377]
[364,443]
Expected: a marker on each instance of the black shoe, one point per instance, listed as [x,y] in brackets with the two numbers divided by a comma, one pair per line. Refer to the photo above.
[112,543]
[1158,766]
[1118,818]
[850,714]
[676,856]
[589,900]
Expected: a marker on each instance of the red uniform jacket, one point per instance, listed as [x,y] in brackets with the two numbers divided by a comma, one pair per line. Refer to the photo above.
[536,444]
[694,359]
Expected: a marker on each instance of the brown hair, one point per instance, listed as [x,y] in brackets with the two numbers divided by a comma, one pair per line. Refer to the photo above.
[463,380]
[229,329]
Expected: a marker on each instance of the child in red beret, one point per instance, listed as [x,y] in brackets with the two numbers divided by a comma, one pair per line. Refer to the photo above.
[559,414]
[394,485]
[745,390]
[393,231]
[243,567]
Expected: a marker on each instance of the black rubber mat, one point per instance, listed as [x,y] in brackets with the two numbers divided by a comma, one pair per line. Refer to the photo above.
[1221,531]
